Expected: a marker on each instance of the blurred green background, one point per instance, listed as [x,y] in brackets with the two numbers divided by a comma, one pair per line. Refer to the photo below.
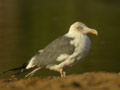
[29,25]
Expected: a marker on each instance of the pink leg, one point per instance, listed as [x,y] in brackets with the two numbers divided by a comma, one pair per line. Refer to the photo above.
[62,73]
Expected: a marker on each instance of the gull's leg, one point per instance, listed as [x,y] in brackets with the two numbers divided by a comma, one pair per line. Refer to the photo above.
[64,74]
[61,73]
[32,73]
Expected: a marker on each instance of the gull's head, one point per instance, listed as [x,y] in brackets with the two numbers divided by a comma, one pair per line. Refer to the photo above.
[79,27]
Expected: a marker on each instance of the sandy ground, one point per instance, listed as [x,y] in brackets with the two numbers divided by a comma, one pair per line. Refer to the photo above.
[85,81]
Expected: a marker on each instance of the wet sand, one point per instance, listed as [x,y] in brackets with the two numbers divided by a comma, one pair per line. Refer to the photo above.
[85,81]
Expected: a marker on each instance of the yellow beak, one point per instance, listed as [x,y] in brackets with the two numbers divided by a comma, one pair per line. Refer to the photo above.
[93,31]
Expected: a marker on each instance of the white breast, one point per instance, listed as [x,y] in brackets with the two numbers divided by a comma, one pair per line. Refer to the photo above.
[82,45]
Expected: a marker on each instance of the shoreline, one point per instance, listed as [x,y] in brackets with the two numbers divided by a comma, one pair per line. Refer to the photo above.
[85,81]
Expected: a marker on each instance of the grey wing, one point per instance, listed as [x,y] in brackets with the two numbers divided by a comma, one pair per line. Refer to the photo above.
[54,50]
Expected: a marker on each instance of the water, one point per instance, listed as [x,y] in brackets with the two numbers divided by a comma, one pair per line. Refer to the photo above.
[27,26]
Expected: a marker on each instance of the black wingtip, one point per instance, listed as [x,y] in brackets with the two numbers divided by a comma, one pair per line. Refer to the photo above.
[15,69]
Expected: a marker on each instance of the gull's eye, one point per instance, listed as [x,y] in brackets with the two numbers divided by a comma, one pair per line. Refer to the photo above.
[80,27]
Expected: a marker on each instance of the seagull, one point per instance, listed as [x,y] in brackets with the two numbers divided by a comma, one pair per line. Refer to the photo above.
[62,53]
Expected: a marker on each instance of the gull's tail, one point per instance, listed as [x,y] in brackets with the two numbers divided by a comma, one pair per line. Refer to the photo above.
[17,68]
[21,70]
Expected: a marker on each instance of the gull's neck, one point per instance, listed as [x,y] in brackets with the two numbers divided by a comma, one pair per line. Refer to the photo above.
[74,34]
